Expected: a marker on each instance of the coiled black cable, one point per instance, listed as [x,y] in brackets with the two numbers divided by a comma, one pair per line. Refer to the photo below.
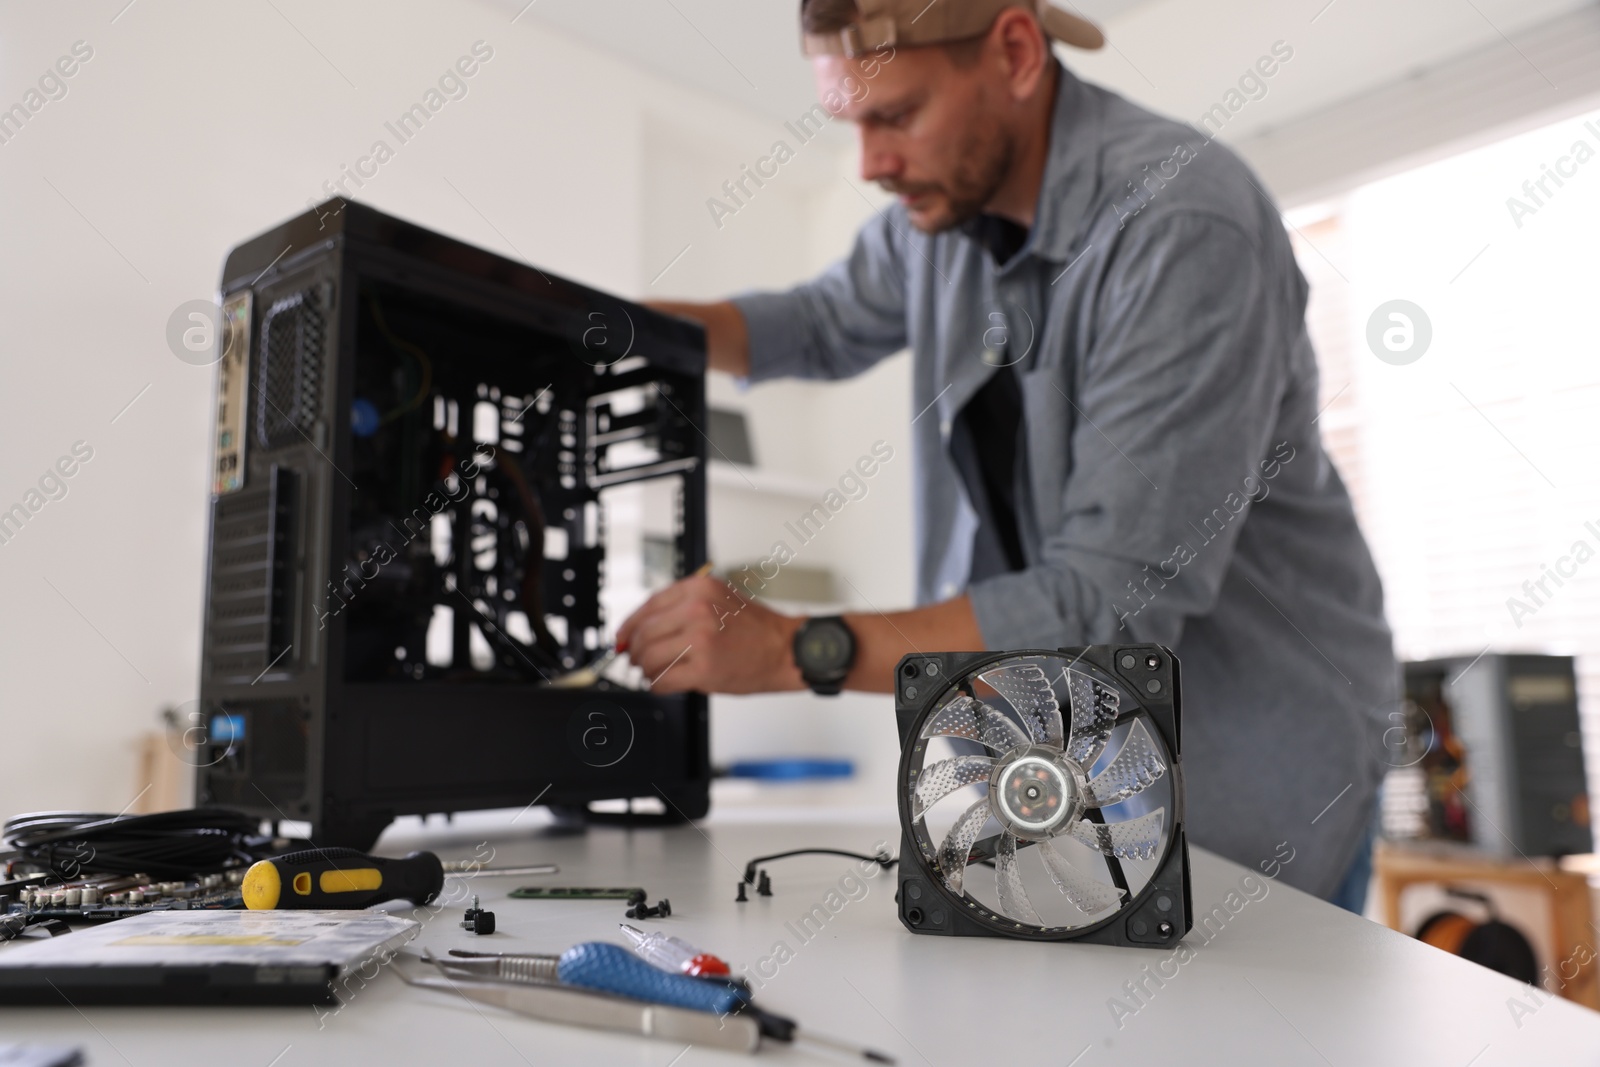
[167,844]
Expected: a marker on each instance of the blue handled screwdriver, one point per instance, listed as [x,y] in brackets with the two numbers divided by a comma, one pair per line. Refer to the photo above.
[607,968]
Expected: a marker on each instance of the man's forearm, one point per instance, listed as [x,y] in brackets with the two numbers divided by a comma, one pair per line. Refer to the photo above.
[727,339]
[881,640]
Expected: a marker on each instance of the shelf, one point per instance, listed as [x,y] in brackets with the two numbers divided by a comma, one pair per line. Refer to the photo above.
[742,479]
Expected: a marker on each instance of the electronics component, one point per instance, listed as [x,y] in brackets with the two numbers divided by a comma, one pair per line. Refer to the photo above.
[1086,808]
[103,897]
[432,465]
[167,845]
[632,894]
[202,957]
[1488,751]
[477,919]
[341,878]
[673,953]
[763,884]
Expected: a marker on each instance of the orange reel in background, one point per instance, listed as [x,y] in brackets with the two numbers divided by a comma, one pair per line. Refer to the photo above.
[1492,943]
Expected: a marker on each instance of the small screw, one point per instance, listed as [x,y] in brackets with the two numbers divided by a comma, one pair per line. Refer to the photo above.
[1152,661]
[1164,929]
[741,898]
[764,885]
[644,911]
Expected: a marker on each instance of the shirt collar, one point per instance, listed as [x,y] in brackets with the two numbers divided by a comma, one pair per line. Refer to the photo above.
[1071,178]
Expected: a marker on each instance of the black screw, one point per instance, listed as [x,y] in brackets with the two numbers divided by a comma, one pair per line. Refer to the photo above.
[644,911]
[764,885]
[1152,661]
[1164,929]
[741,898]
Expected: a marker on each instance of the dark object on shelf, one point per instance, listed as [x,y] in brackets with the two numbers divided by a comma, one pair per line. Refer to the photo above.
[417,443]
[729,434]
[1073,756]
[791,769]
[740,897]
[764,885]
[1493,943]
[1494,747]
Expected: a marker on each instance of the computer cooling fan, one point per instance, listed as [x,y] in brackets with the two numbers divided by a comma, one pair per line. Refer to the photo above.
[1060,770]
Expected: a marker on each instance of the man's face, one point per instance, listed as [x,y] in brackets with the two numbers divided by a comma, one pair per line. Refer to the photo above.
[930,129]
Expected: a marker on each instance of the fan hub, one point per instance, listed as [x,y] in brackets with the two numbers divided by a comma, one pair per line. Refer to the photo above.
[1036,792]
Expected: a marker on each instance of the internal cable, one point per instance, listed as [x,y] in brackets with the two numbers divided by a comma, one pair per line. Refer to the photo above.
[882,859]
[167,844]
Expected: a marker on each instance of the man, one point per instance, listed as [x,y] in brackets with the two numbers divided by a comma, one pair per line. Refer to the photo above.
[1120,441]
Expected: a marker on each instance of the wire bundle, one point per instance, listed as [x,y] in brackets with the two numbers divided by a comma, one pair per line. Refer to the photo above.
[168,844]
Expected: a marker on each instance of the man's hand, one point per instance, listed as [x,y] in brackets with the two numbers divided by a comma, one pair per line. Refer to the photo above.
[727,338]
[700,634]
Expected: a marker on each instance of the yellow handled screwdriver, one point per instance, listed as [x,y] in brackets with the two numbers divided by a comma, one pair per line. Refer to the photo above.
[340,878]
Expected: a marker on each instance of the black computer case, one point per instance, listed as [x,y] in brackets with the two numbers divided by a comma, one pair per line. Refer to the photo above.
[1498,753]
[424,452]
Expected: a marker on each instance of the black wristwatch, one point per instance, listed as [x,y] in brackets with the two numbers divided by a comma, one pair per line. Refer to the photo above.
[824,650]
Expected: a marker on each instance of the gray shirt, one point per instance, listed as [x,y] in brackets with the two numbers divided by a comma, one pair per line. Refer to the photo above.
[1173,487]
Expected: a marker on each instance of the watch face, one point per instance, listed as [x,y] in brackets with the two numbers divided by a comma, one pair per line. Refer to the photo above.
[825,648]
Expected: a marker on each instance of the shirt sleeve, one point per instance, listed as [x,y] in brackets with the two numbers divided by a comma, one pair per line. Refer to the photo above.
[1176,404]
[838,324]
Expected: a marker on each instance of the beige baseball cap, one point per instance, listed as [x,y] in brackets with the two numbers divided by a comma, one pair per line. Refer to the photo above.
[905,23]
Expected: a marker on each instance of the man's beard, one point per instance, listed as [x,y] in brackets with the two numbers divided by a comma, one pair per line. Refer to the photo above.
[985,163]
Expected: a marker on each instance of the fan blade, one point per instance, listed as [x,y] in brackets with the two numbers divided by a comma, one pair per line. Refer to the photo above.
[939,780]
[1136,765]
[958,843]
[1027,688]
[973,719]
[1087,894]
[1133,839]
[1094,711]
[1014,902]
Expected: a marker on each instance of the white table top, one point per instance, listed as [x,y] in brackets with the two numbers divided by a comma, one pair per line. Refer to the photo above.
[1288,979]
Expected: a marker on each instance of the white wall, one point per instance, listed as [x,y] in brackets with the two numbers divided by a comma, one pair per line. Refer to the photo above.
[194,126]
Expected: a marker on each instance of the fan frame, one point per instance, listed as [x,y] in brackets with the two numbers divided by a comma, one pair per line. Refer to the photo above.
[927,906]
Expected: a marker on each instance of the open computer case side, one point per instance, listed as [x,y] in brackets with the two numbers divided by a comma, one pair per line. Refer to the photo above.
[429,462]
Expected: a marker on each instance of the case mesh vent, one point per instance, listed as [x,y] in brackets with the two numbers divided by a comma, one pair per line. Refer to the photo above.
[290,376]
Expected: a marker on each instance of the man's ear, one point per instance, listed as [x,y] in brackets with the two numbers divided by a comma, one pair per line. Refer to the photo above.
[1023,49]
